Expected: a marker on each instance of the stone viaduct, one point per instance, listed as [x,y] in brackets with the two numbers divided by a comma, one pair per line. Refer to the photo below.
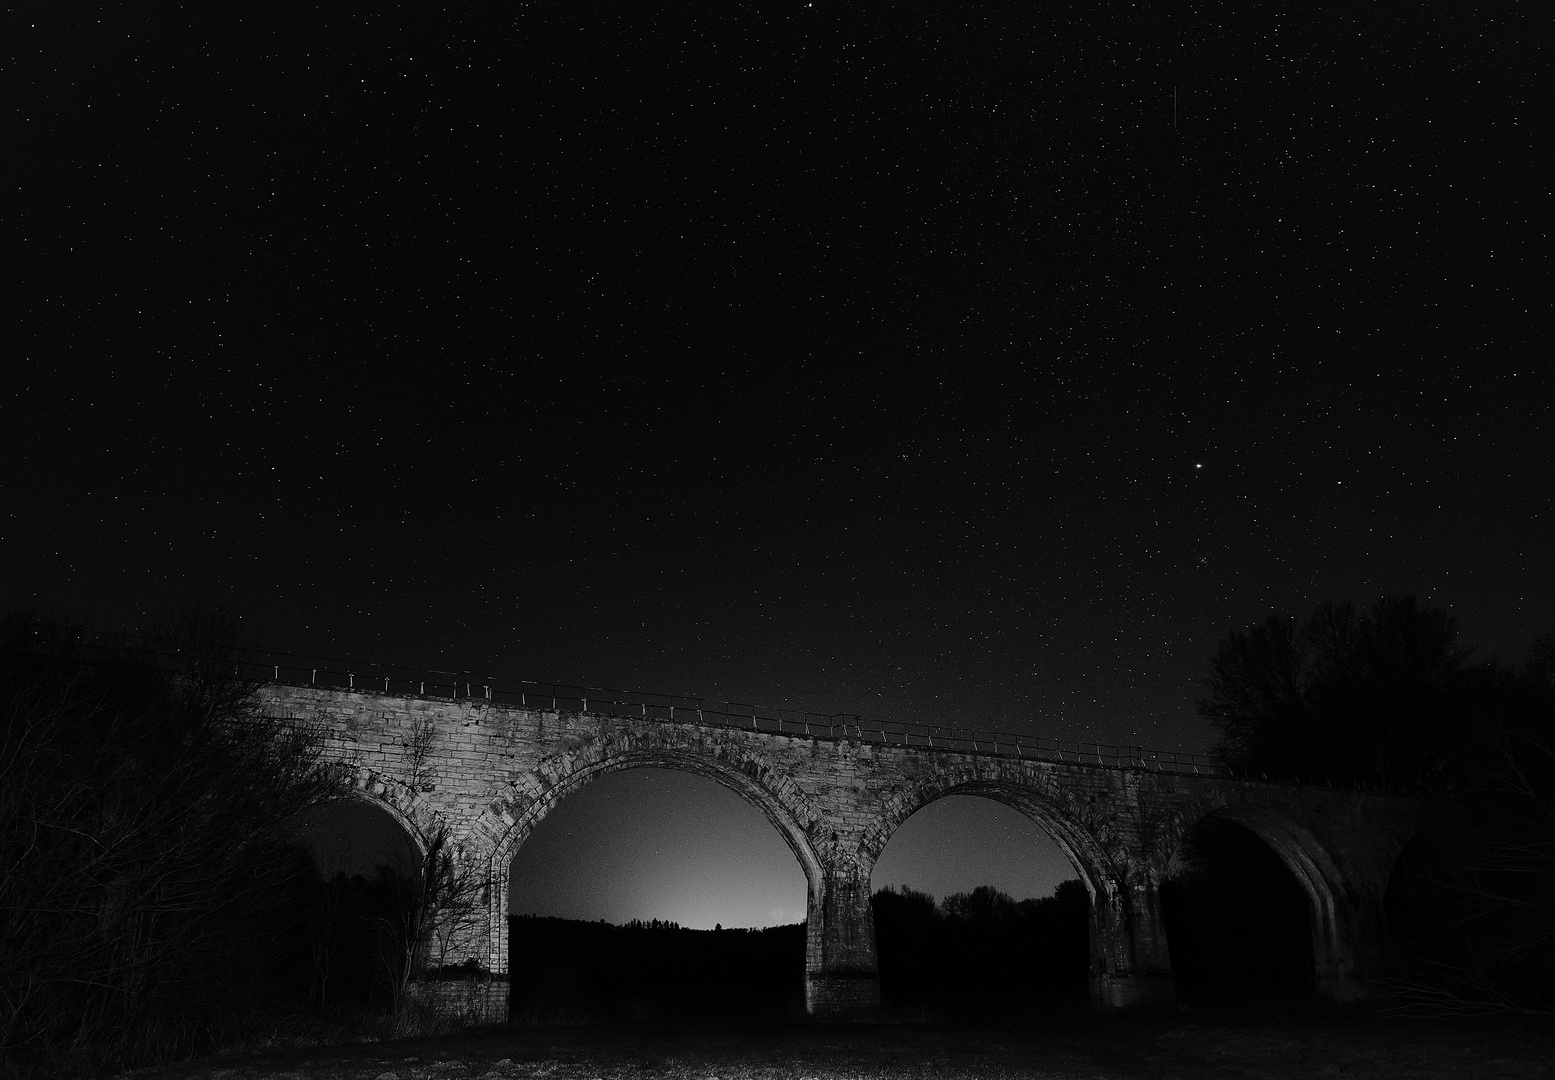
[488,772]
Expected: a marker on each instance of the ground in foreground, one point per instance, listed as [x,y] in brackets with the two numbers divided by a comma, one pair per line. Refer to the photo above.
[1333,1046]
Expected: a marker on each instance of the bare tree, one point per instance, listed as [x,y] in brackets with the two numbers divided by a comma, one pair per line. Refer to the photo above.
[419,743]
[436,903]
[143,836]
[1484,893]
[325,936]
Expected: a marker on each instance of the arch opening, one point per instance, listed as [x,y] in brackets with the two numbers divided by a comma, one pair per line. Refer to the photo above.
[1242,902]
[646,889]
[979,909]
[357,834]
[345,953]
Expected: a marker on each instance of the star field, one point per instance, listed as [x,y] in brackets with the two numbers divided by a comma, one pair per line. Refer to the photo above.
[972,366]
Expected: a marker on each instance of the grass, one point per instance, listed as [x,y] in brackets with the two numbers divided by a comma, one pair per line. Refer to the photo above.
[1060,1048]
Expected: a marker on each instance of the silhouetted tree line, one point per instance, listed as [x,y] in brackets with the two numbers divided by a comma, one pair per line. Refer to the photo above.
[655,924]
[148,865]
[565,969]
[982,951]
[1387,698]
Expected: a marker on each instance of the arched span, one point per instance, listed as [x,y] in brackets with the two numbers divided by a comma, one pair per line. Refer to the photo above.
[1314,868]
[512,817]
[408,809]
[1331,901]
[1027,795]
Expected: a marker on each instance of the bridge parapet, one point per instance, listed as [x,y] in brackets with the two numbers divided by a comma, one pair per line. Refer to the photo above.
[682,708]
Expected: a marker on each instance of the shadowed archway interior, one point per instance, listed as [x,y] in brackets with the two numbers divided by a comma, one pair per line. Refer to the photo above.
[1239,921]
[358,835]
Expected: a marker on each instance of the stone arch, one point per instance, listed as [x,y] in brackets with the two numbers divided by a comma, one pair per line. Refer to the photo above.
[513,814]
[1044,803]
[1099,857]
[407,807]
[782,803]
[1330,898]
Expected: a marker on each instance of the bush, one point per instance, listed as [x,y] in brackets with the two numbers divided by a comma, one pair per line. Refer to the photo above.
[144,802]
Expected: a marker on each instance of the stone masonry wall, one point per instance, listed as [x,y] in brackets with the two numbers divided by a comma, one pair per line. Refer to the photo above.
[489,773]
[472,1002]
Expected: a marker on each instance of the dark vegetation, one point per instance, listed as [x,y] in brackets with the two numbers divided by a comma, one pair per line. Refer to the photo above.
[981,953]
[975,954]
[155,901]
[1387,698]
[564,970]
[143,832]
[350,933]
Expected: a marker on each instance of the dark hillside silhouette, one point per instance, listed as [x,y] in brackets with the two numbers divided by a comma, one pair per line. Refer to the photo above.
[565,969]
[982,953]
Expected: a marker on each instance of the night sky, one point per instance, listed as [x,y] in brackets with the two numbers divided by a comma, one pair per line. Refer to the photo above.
[960,364]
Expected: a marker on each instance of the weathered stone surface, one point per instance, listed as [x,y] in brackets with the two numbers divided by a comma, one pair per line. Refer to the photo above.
[470,1001]
[491,773]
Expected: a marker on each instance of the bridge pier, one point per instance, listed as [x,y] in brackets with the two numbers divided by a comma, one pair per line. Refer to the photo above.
[1351,947]
[842,970]
[1131,967]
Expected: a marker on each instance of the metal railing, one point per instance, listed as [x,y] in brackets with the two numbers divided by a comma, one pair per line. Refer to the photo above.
[685,708]
[292,669]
